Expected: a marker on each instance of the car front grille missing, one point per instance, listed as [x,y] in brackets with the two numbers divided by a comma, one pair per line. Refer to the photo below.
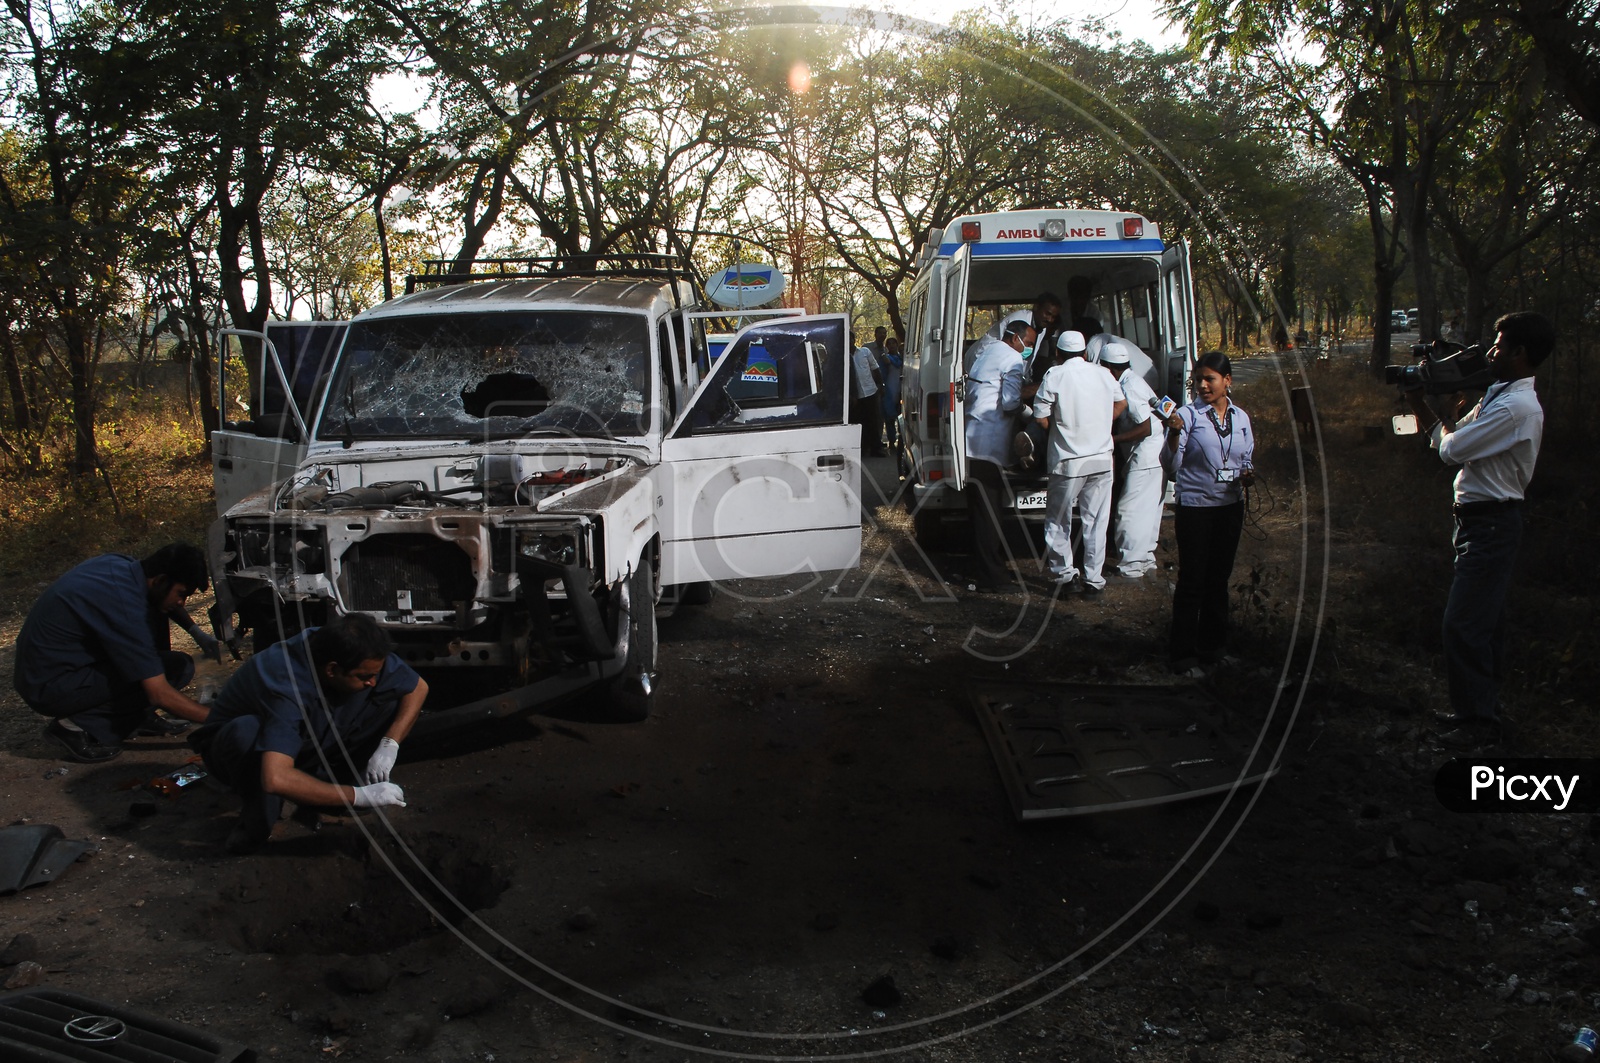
[436,576]
[51,1026]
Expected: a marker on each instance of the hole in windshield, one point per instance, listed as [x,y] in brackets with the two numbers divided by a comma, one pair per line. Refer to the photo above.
[493,375]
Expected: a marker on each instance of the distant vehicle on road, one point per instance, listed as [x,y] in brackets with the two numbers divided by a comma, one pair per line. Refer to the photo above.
[1397,319]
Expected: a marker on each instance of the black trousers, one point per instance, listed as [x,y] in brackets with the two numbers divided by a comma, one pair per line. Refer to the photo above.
[868,413]
[105,706]
[985,490]
[1208,539]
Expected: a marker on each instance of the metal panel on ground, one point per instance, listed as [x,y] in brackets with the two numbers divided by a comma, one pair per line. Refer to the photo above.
[1070,749]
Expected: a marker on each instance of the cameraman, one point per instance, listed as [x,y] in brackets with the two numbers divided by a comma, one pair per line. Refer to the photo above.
[1496,444]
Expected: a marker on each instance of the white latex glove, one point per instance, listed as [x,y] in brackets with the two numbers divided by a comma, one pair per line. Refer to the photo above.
[379,794]
[381,762]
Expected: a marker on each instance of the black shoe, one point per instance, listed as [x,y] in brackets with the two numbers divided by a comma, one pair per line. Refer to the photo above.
[156,725]
[79,746]
[1472,734]
[1024,448]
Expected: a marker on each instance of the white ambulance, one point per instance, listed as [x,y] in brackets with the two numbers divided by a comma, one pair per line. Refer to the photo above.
[1108,265]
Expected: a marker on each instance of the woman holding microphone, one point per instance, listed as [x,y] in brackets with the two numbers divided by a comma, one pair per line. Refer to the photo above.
[1209,453]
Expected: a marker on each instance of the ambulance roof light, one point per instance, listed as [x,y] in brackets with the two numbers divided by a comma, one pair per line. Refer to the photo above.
[1132,228]
[971,232]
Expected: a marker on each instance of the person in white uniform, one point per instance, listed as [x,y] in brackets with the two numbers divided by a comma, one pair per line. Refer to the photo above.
[993,394]
[1099,342]
[1077,402]
[1137,525]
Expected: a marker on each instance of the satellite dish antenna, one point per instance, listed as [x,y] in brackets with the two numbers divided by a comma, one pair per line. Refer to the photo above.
[745,285]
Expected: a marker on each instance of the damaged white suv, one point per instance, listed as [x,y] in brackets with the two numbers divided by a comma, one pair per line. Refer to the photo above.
[509,470]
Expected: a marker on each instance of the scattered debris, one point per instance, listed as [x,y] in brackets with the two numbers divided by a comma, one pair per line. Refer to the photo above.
[28,973]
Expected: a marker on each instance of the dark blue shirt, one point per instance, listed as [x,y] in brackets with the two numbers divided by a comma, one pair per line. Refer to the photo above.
[280,685]
[95,616]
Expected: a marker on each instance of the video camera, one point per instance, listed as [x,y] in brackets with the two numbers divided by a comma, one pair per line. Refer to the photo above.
[1463,369]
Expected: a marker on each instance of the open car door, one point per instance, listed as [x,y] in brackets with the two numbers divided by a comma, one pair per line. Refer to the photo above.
[953,352]
[1178,332]
[761,474]
[283,394]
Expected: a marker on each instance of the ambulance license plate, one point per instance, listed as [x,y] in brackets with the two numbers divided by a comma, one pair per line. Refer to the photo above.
[1030,499]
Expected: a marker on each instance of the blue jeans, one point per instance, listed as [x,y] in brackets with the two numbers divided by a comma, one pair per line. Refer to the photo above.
[1474,617]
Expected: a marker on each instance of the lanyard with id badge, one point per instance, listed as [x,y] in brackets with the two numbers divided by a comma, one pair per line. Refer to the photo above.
[1224,430]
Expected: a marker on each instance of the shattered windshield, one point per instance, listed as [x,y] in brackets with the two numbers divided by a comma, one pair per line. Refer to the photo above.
[494,375]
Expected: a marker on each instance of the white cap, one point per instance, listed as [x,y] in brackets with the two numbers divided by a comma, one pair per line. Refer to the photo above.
[1113,354]
[1071,342]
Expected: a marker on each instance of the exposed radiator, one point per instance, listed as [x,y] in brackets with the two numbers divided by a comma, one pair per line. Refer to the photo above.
[437,574]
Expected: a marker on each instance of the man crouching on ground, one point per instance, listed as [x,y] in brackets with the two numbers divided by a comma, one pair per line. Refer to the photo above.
[306,712]
[87,655]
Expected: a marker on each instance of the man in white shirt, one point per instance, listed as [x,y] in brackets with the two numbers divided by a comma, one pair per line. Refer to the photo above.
[1496,444]
[1138,461]
[868,411]
[993,394]
[1077,402]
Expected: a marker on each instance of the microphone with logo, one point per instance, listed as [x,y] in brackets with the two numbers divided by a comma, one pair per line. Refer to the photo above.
[1165,410]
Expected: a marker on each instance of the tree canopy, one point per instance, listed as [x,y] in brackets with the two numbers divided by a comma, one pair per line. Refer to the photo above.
[168,168]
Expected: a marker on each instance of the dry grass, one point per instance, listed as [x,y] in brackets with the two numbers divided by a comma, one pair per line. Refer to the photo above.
[154,454]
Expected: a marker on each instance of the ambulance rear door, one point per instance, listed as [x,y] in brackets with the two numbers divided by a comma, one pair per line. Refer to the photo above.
[952,351]
[1179,332]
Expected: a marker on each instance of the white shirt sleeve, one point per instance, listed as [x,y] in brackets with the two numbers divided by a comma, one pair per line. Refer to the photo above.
[1481,434]
[1044,399]
[1011,386]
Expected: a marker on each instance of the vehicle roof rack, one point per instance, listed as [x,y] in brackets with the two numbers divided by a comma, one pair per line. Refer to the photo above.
[645,266]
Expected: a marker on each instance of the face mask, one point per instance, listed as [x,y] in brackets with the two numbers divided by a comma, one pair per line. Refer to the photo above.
[1027,352]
